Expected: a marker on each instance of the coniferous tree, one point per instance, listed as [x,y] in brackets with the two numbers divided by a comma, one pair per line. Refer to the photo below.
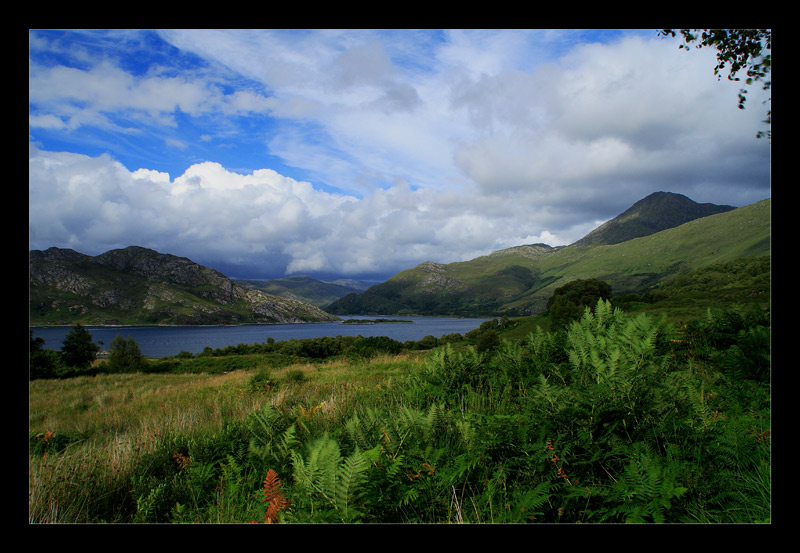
[77,349]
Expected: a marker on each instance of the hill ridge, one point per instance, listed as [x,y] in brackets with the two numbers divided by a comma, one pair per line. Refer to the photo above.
[510,282]
[653,213]
[137,285]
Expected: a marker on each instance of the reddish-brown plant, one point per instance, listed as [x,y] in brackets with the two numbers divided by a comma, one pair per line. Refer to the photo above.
[275,496]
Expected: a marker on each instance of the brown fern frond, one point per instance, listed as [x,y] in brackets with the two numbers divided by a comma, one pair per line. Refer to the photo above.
[275,495]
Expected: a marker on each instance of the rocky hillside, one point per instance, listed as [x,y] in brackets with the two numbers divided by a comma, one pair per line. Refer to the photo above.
[141,286]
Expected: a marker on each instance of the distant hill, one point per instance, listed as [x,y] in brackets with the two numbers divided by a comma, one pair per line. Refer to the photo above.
[136,285]
[519,280]
[658,211]
[305,289]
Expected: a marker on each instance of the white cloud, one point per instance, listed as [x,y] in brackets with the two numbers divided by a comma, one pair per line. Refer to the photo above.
[100,94]
[444,145]
[95,204]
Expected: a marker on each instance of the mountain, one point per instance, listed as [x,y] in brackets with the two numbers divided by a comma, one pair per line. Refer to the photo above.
[136,285]
[519,280]
[658,211]
[475,287]
[305,289]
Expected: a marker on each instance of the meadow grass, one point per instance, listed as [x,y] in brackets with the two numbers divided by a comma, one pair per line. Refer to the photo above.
[92,432]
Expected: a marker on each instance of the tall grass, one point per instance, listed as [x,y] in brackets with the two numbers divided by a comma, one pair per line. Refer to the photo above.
[91,434]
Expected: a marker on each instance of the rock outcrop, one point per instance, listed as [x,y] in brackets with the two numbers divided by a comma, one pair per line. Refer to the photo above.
[137,285]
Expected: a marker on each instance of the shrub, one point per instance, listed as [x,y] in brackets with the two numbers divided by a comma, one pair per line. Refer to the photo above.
[261,381]
[571,300]
[295,375]
[125,356]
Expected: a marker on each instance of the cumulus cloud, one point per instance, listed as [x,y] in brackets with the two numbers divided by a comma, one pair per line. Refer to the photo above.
[628,114]
[421,145]
[263,222]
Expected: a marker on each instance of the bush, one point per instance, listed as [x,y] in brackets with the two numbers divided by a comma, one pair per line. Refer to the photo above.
[125,356]
[295,375]
[45,363]
[261,381]
[569,302]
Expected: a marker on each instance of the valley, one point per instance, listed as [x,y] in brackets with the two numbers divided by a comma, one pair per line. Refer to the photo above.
[659,238]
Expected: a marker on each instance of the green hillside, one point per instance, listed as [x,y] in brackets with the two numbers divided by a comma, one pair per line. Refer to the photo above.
[640,264]
[518,281]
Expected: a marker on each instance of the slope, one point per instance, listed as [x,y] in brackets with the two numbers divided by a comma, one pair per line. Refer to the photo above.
[656,212]
[518,281]
[140,286]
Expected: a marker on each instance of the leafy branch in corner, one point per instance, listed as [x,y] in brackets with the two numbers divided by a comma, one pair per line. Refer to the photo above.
[737,49]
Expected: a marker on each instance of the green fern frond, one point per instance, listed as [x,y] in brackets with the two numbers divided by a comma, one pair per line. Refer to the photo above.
[646,488]
[467,432]
[350,477]
[529,506]
[330,482]
[273,436]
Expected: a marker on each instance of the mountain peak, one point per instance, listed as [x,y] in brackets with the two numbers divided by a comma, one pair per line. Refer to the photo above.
[654,213]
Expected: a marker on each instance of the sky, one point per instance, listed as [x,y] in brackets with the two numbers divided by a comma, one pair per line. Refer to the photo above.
[362,153]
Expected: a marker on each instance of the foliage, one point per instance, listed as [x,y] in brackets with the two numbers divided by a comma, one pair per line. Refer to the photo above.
[262,380]
[78,350]
[330,484]
[49,363]
[124,356]
[569,301]
[274,496]
[43,363]
[737,49]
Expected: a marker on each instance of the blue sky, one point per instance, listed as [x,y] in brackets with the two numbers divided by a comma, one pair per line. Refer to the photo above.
[360,153]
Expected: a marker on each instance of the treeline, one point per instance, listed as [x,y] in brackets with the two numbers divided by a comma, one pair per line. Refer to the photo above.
[78,353]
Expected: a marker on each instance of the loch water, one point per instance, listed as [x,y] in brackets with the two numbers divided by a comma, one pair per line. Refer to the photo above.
[163,341]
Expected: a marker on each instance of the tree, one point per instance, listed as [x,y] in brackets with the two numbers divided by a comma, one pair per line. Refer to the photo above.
[43,363]
[78,350]
[125,355]
[737,49]
[488,340]
[569,301]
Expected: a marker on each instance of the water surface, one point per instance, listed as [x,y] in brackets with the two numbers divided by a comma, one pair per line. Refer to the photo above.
[162,341]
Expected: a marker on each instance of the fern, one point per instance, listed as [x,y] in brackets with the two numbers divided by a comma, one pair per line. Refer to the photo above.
[273,438]
[274,496]
[548,397]
[350,477]
[329,481]
[646,488]
[546,353]
[529,506]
